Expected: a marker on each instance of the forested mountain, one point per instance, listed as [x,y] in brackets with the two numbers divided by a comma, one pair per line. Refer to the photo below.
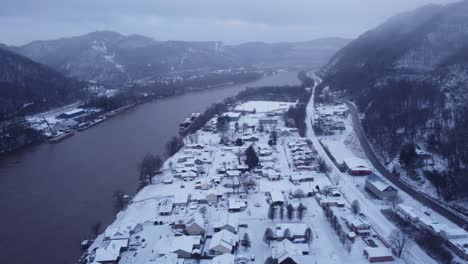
[113,58]
[27,86]
[409,77]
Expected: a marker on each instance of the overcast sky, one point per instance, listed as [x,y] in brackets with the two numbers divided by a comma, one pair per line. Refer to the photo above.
[231,21]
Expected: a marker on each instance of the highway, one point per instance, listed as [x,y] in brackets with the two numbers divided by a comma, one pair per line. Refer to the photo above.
[423,198]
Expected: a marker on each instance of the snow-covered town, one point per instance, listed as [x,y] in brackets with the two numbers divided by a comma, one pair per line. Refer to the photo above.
[257,192]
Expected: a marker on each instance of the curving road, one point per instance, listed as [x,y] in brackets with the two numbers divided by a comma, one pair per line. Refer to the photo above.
[423,198]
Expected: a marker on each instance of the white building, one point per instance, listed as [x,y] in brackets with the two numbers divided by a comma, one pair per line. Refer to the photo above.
[223,242]
[184,246]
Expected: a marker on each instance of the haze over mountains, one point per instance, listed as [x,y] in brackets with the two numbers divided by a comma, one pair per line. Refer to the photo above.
[24,82]
[110,57]
[409,77]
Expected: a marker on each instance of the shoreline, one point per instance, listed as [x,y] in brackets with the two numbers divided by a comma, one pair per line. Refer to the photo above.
[117,111]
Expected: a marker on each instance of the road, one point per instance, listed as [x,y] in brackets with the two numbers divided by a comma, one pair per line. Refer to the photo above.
[413,253]
[428,201]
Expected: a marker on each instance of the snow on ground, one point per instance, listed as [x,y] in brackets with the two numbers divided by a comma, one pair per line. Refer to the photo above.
[352,187]
[263,106]
[204,162]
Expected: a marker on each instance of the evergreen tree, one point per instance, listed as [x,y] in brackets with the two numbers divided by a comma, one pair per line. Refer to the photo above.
[268,236]
[251,157]
[289,212]
[300,211]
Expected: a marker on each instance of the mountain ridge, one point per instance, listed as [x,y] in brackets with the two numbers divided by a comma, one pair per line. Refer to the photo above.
[111,57]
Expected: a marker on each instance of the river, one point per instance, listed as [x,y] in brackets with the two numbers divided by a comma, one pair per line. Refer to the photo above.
[51,194]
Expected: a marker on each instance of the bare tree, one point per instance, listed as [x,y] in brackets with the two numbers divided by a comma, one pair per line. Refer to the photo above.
[118,201]
[395,200]
[349,246]
[326,190]
[322,165]
[355,207]
[398,241]
[148,167]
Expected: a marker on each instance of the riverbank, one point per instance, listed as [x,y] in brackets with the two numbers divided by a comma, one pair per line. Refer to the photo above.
[70,185]
[31,132]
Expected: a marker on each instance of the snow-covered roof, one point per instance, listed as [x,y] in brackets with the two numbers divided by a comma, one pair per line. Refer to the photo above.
[110,250]
[276,196]
[235,203]
[74,111]
[166,206]
[226,220]
[408,211]
[296,229]
[285,248]
[185,243]
[379,183]
[224,238]
[375,252]
[355,162]
[224,259]
[170,258]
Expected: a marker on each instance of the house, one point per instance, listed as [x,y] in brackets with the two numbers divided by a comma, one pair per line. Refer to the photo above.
[233,173]
[165,207]
[299,177]
[272,175]
[277,197]
[186,246]
[296,230]
[118,232]
[236,205]
[380,188]
[180,199]
[298,259]
[228,222]
[250,139]
[378,254]
[233,116]
[224,259]
[285,248]
[194,226]
[356,166]
[332,201]
[213,195]
[72,113]
[408,212]
[223,242]
[268,121]
[358,225]
[110,250]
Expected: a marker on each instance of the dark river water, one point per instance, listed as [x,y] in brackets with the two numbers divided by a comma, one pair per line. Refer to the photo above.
[51,194]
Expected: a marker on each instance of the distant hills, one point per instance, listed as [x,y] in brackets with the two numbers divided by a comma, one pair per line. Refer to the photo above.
[409,78]
[113,58]
[43,74]
[27,86]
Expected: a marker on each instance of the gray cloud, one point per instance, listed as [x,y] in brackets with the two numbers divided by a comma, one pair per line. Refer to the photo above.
[232,21]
